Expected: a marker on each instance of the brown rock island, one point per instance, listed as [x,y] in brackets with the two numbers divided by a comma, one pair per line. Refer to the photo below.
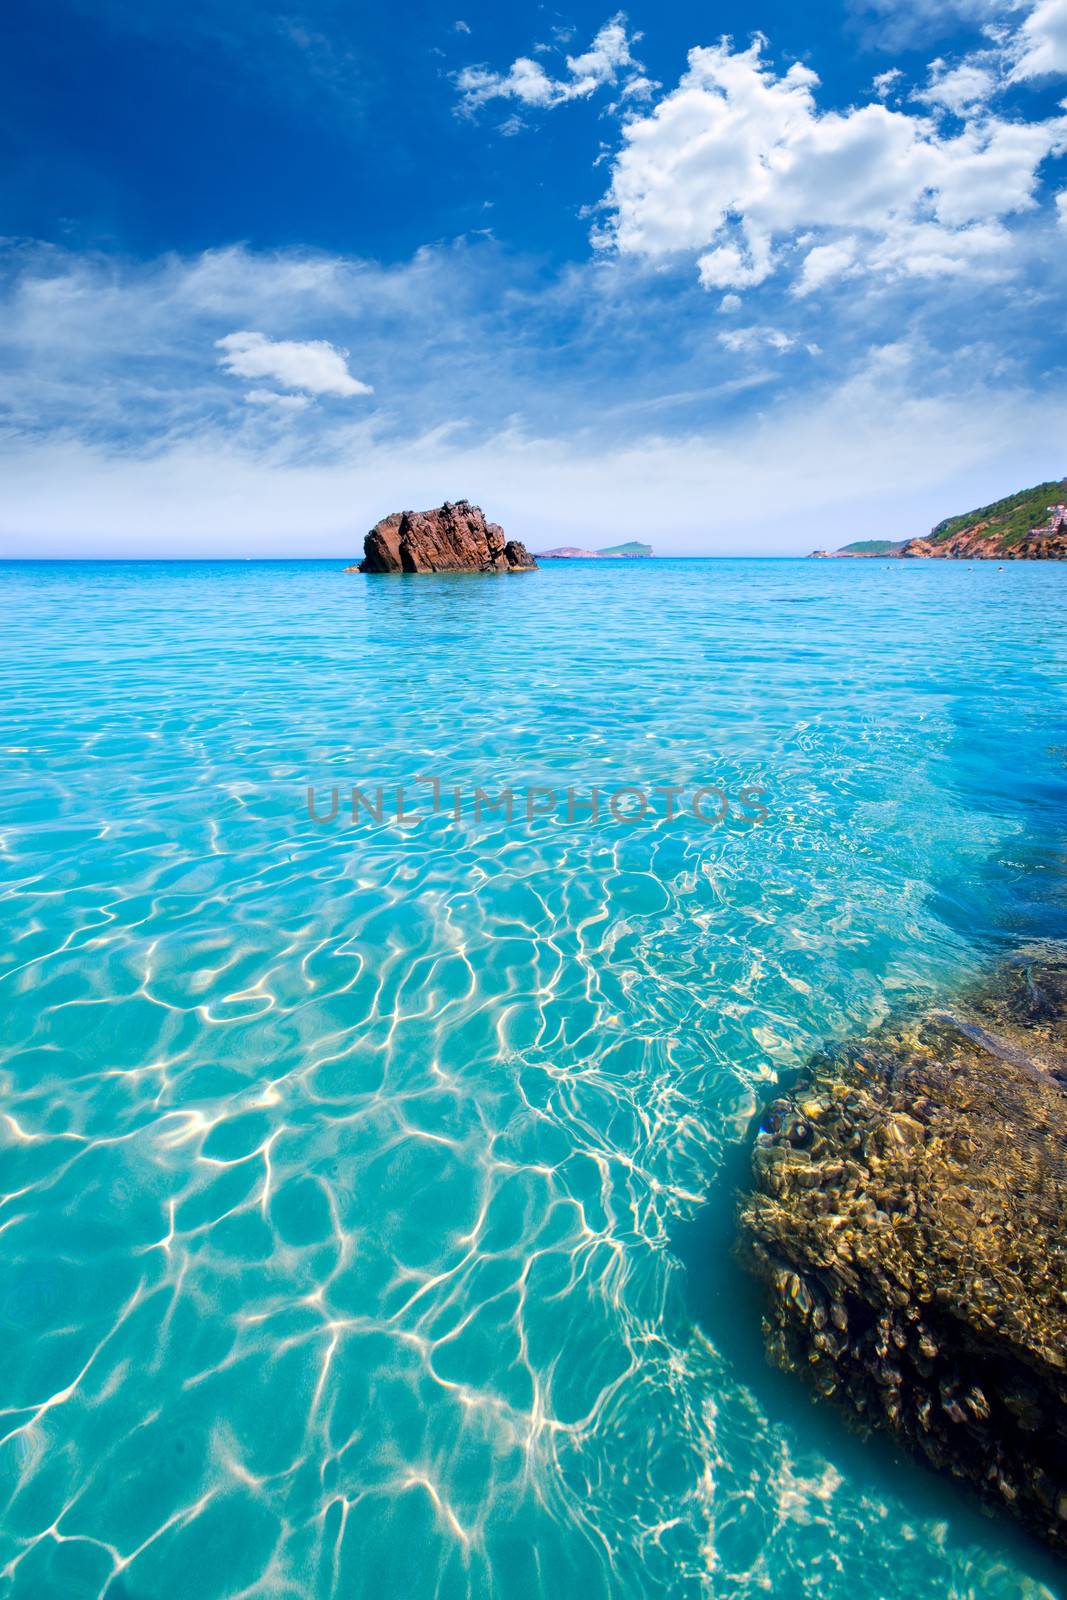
[454,538]
[906,1216]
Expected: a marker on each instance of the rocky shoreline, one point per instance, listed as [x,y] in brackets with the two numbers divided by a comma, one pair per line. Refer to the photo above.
[1030,525]
[979,544]
[907,1218]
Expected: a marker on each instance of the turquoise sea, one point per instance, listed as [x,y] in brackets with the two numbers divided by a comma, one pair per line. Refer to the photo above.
[366,1189]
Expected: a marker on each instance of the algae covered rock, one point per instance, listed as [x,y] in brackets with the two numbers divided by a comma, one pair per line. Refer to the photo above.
[909,1217]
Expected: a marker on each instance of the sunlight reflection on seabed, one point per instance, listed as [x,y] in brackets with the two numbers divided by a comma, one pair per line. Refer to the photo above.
[343,1167]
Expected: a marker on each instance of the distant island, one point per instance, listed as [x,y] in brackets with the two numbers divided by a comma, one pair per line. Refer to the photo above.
[863,547]
[632,550]
[1030,525]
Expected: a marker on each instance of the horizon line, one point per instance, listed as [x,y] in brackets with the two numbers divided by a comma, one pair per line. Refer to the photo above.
[553,561]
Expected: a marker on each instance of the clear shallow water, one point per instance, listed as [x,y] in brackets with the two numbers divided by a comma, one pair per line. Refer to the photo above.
[365,1191]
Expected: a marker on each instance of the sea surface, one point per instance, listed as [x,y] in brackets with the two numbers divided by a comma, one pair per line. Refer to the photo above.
[366,1188]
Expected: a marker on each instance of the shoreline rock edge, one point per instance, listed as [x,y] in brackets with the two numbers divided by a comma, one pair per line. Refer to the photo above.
[906,1219]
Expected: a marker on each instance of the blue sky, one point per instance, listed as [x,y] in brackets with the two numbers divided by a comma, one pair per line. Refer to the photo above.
[734,279]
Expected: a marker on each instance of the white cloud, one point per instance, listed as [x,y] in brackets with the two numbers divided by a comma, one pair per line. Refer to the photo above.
[738,161]
[600,64]
[962,89]
[736,266]
[885,82]
[1061,208]
[927,250]
[1041,47]
[756,338]
[312,365]
[1028,36]
[639,88]
[283,402]
[824,263]
[527,81]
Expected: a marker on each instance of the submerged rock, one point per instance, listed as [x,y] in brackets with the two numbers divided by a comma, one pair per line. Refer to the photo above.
[908,1219]
[454,538]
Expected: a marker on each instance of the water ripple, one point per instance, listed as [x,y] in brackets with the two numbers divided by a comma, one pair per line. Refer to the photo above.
[344,1170]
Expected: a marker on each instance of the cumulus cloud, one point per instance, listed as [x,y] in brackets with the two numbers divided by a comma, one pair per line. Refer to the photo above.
[738,163]
[527,81]
[1041,45]
[312,365]
[824,263]
[962,89]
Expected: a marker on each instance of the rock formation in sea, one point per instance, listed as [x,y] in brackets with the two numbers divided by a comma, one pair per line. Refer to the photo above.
[907,1220]
[454,538]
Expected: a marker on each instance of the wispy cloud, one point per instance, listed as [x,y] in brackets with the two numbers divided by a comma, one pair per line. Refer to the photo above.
[275,53]
[527,82]
[878,455]
[115,417]
[757,338]
[279,402]
[908,24]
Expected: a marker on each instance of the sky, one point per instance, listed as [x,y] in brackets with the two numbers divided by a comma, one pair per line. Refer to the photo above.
[732,279]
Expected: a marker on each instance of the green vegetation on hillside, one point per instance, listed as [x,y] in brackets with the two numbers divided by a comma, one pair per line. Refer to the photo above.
[871,547]
[632,548]
[1012,518]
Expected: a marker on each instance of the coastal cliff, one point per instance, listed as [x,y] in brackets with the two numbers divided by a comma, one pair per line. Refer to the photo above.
[906,1217]
[453,538]
[1030,525]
